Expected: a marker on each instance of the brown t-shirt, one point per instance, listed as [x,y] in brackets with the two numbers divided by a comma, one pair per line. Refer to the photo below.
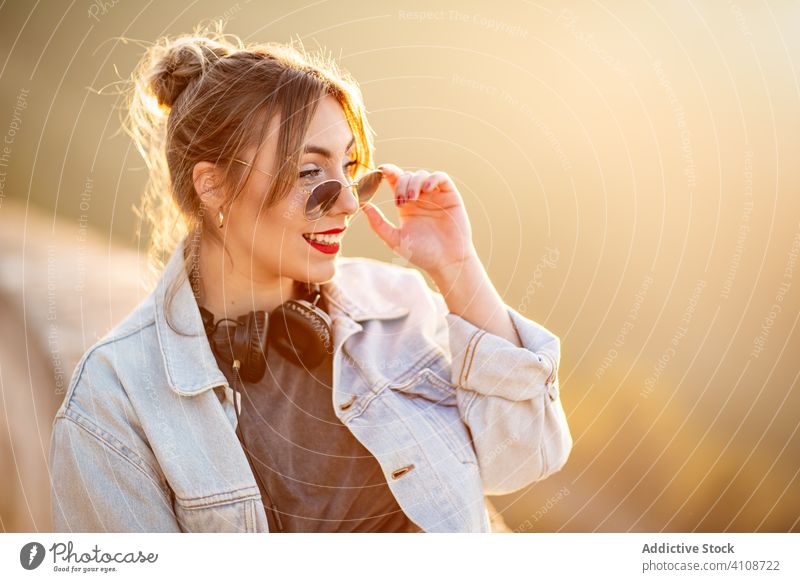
[319,476]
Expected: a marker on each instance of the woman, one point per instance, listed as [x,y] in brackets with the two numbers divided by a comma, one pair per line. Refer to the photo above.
[270,384]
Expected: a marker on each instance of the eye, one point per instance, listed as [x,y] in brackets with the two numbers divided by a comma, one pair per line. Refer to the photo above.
[310,173]
[349,169]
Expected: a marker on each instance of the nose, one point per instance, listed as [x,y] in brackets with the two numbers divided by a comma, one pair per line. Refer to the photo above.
[347,201]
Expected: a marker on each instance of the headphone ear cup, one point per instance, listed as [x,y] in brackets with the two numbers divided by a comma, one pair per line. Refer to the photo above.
[250,345]
[301,333]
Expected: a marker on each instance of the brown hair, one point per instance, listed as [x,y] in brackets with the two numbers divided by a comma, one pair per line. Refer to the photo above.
[206,96]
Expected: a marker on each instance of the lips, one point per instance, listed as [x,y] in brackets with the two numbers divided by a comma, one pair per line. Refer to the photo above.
[328,249]
[331,231]
[326,241]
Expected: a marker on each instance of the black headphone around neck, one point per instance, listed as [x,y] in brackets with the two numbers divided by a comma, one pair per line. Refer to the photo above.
[298,329]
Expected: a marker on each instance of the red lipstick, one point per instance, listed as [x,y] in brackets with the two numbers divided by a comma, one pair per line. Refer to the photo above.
[331,231]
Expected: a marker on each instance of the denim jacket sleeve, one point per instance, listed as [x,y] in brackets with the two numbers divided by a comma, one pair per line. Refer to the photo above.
[508,396]
[102,481]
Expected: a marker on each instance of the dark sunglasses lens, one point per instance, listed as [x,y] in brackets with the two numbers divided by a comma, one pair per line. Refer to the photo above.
[368,185]
[322,198]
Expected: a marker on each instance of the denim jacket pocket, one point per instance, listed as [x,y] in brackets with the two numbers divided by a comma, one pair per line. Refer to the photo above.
[432,407]
[429,383]
[225,513]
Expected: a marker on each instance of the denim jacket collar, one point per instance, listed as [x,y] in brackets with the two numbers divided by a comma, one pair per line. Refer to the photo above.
[190,364]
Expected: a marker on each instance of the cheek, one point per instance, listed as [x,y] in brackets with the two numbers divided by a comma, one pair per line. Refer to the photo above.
[279,232]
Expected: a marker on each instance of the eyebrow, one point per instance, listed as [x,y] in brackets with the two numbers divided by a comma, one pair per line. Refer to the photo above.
[315,149]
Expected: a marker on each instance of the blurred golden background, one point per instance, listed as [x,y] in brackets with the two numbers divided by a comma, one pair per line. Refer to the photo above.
[631,174]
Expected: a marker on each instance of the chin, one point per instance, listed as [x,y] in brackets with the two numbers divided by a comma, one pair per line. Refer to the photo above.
[318,273]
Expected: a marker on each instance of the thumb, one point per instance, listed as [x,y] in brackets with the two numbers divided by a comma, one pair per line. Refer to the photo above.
[385,230]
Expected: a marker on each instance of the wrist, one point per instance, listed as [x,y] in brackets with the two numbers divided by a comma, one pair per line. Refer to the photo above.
[466,270]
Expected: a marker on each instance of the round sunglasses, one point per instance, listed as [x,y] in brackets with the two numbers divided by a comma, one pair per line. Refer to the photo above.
[324,195]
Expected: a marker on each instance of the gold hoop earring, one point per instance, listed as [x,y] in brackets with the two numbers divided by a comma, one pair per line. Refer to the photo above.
[221,218]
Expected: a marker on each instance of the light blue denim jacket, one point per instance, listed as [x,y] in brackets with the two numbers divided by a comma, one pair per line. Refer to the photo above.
[145,438]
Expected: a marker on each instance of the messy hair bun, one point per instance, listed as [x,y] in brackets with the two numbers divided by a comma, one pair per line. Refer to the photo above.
[180,64]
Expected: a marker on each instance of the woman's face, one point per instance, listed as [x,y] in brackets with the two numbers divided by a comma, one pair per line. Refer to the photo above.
[274,241]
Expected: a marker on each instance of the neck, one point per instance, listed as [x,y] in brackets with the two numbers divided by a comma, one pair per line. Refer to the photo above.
[232,289]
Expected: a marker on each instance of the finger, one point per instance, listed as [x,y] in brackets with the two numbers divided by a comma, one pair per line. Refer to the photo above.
[391,172]
[401,189]
[385,230]
[415,183]
[438,180]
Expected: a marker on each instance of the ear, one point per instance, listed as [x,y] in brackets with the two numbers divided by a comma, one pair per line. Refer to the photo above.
[207,184]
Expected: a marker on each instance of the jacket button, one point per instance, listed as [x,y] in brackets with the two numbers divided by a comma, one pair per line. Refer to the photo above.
[348,404]
[401,471]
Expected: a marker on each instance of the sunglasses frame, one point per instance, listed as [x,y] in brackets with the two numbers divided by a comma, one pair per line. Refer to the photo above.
[309,193]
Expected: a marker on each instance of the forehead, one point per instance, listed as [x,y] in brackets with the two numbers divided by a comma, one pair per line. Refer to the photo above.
[329,126]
